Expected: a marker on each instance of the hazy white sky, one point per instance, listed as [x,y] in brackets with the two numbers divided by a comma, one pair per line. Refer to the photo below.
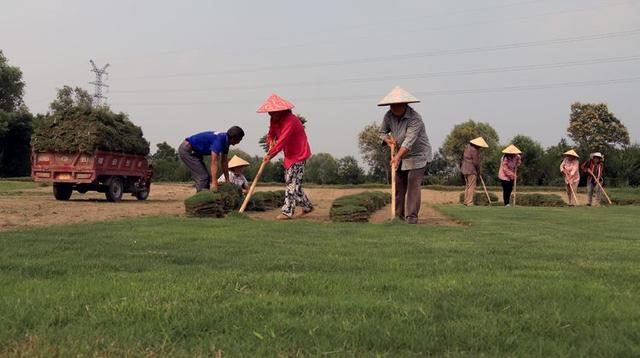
[179,67]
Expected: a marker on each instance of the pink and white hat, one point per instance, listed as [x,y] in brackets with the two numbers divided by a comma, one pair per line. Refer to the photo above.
[275,103]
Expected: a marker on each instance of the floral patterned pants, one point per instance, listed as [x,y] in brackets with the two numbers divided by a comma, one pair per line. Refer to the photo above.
[294,195]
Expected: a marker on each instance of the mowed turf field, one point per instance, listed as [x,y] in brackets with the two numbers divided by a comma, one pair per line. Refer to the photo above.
[513,282]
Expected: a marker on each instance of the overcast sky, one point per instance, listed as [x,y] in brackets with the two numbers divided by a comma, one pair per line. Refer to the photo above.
[180,67]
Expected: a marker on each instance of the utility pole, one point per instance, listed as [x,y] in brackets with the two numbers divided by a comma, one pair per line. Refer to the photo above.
[98,98]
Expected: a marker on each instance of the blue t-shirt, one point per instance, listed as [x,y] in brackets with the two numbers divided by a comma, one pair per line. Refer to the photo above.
[206,142]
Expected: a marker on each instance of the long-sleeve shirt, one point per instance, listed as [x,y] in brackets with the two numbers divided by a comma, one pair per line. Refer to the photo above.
[291,138]
[508,165]
[236,179]
[410,133]
[596,169]
[570,169]
[470,160]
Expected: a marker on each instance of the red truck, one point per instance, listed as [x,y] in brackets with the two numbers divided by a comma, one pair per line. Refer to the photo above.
[105,172]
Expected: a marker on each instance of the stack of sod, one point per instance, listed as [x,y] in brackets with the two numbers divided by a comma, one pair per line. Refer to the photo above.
[214,203]
[265,200]
[358,207]
[539,200]
[76,125]
[480,198]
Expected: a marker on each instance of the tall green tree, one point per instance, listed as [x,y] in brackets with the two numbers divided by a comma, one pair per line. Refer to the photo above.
[530,171]
[461,134]
[321,168]
[11,86]
[375,153]
[594,128]
[349,171]
[455,142]
[165,151]
[16,123]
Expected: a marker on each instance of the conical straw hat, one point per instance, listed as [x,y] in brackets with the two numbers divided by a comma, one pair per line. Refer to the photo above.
[398,95]
[236,161]
[511,149]
[571,153]
[275,103]
[480,142]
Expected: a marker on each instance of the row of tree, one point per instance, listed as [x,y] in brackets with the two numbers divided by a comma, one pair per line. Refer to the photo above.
[592,127]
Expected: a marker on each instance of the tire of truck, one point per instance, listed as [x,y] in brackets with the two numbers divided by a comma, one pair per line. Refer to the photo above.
[143,194]
[114,190]
[62,191]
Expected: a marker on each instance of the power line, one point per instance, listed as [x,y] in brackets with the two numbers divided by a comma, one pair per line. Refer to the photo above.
[360,26]
[405,56]
[468,24]
[490,70]
[517,88]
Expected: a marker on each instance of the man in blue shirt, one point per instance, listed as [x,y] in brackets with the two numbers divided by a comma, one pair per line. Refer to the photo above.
[193,149]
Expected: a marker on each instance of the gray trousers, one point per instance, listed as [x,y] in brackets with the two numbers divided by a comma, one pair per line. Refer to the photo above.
[194,162]
[591,187]
[409,186]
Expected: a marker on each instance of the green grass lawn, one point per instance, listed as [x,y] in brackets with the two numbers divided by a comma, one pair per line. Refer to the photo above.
[516,282]
[9,185]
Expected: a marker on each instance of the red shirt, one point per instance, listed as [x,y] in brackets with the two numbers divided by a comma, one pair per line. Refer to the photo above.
[291,138]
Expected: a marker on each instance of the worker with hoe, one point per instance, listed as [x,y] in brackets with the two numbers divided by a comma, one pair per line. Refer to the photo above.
[509,164]
[593,169]
[287,134]
[470,167]
[194,148]
[402,126]
[570,168]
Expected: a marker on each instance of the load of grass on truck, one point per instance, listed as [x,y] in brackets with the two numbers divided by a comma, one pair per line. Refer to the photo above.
[83,147]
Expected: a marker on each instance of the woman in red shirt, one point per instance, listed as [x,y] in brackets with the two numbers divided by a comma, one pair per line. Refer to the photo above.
[287,134]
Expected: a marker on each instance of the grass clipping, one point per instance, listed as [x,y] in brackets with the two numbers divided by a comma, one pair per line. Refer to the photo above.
[207,203]
[358,207]
[75,125]
[481,198]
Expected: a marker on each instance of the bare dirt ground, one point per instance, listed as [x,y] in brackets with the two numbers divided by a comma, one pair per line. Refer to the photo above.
[38,208]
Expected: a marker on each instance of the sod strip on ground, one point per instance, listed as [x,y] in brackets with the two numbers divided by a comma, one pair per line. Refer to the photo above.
[526,282]
[358,207]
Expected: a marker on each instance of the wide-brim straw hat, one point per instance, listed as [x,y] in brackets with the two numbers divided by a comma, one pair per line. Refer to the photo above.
[571,153]
[480,142]
[275,103]
[511,149]
[597,155]
[396,96]
[236,161]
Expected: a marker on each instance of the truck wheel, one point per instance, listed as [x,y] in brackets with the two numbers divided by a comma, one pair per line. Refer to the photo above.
[62,191]
[114,190]
[143,195]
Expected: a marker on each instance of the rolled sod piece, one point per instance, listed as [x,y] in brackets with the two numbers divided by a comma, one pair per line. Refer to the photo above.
[358,207]
[266,200]
[481,199]
[552,200]
[214,203]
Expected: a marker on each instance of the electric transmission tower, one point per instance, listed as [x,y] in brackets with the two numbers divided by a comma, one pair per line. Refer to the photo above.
[98,98]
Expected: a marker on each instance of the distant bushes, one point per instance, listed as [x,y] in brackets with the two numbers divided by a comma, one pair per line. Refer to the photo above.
[358,207]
